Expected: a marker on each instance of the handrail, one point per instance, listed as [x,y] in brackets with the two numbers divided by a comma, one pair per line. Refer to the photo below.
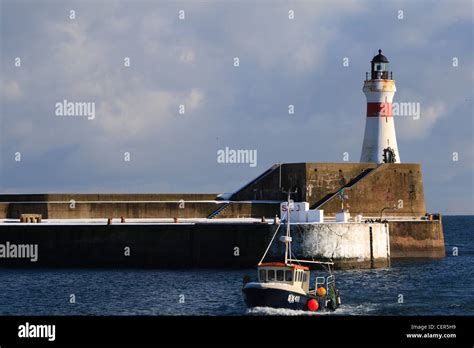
[317,262]
[257,179]
[316,282]
[219,210]
[355,181]
[325,282]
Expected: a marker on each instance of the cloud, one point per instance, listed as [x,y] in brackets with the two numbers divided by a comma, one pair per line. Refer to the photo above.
[412,127]
[186,55]
[11,91]
[144,113]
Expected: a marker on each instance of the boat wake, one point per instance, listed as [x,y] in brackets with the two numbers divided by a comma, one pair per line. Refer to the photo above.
[341,310]
[278,311]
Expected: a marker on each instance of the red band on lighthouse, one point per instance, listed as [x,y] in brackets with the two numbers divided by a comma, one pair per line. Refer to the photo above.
[379,109]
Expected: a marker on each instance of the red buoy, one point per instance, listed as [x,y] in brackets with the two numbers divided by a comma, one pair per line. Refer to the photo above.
[313,305]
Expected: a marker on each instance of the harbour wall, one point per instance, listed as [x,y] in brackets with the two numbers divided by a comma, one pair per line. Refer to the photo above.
[368,188]
[135,206]
[351,245]
[371,190]
[193,245]
[149,245]
[417,239]
[87,206]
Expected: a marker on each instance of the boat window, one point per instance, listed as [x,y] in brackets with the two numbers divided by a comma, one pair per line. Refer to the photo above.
[288,276]
[280,275]
[304,277]
[271,275]
[262,275]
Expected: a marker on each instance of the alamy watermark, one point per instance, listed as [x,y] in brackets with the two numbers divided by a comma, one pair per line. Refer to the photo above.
[82,109]
[406,109]
[228,155]
[28,330]
[21,251]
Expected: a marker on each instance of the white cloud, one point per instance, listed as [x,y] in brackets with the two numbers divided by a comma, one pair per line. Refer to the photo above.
[11,91]
[194,99]
[412,128]
[186,55]
[144,113]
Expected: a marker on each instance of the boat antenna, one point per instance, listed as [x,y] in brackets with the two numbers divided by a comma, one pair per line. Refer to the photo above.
[287,238]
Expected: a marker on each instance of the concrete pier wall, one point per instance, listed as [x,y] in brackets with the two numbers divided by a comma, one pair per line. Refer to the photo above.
[397,186]
[369,187]
[372,191]
[182,245]
[417,239]
[150,245]
[350,245]
[58,206]
[131,206]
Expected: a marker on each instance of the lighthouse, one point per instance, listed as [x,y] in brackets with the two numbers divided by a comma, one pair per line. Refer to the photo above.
[380,142]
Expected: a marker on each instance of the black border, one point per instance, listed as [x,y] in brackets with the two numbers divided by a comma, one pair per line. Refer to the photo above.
[240,330]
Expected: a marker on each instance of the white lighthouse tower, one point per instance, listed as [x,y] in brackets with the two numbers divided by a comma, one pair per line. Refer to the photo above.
[380,142]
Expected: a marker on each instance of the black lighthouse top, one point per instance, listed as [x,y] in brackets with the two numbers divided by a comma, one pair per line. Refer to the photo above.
[380,58]
[379,67]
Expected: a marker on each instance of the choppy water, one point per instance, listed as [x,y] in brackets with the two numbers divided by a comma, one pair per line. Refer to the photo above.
[438,287]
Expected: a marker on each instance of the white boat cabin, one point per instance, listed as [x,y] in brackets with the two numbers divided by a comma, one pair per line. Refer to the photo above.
[278,272]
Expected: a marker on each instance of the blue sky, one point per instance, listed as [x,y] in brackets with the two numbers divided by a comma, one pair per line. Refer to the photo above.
[191,62]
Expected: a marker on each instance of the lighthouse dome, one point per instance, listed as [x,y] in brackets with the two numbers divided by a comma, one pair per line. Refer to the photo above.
[380,58]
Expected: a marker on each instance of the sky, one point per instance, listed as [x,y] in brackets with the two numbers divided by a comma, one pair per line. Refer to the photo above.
[139,141]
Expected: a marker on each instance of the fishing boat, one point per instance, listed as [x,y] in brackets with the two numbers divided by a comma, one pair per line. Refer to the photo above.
[287,284]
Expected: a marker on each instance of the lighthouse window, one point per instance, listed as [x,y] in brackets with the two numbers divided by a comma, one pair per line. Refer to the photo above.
[288,276]
[280,275]
[381,67]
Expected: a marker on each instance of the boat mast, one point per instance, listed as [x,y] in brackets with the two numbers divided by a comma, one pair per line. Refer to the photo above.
[287,238]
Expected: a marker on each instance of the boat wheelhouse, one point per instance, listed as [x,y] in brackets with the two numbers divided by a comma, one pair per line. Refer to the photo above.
[277,272]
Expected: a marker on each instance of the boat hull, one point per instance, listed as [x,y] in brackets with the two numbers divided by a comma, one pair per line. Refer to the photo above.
[275,298]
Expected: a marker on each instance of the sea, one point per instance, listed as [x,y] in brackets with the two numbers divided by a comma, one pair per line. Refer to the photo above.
[410,287]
